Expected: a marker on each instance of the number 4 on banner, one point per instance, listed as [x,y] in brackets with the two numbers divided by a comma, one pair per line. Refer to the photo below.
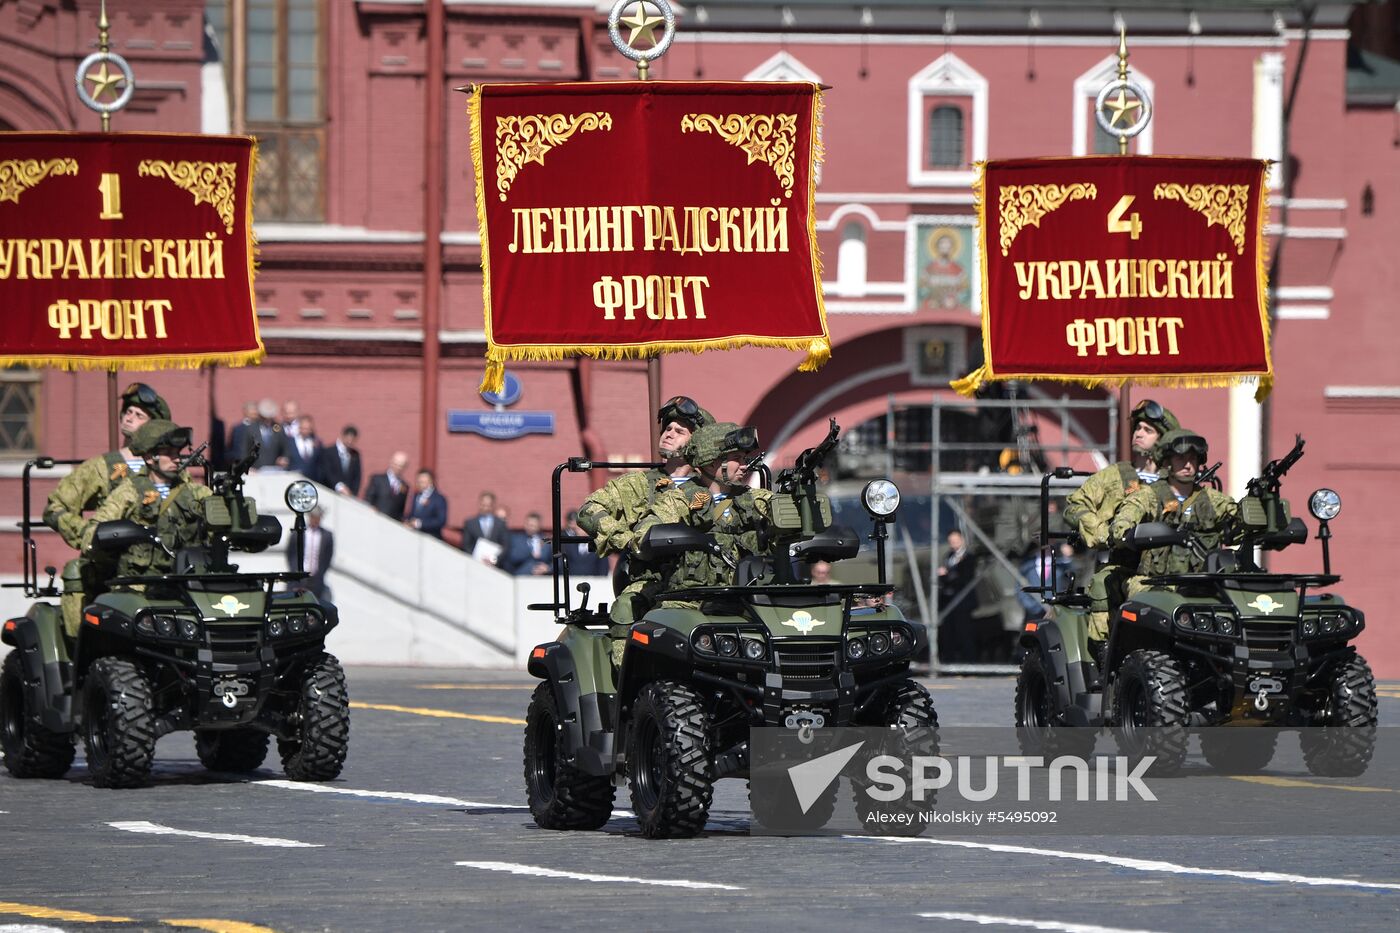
[1116,223]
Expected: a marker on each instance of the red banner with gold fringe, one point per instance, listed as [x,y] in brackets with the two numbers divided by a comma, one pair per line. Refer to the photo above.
[631,218]
[127,250]
[1121,269]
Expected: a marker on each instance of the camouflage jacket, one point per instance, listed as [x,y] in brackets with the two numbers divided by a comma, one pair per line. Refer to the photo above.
[1090,508]
[178,519]
[737,524]
[83,490]
[611,513]
[1209,514]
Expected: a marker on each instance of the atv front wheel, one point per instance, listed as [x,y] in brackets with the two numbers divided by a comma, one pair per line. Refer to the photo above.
[1344,744]
[668,761]
[913,723]
[561,796]
[235,750]
[1040,732]
[1152,711]
[1239,751]
[119,730]
[30,750]
[323,732]
[778,809]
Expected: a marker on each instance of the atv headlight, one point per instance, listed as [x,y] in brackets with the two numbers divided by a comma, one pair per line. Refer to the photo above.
[1183,618]
[165,626]
[1324,504]
[879,643]
[728,645]
[855,649]
[897,639]
[189,629]
[275,628]
[1224,624]
[753,649]
[705,642]
[301,496]
[880,498]
[1309,628]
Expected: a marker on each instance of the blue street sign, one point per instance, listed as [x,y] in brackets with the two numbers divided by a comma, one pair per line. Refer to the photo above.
[500,425]
[509,394]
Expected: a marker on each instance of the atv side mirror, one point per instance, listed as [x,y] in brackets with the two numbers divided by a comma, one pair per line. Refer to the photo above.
[264,533]
[119,535]
[1150,535]
[666,541]
[831,544]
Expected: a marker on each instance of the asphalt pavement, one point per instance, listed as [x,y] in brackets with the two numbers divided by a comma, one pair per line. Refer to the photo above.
[427,829]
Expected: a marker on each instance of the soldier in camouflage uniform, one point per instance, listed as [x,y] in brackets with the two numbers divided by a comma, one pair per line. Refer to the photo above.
[1179,502]
[610,514]
[89,485]
[1090,508]
[162,496]
[719,502]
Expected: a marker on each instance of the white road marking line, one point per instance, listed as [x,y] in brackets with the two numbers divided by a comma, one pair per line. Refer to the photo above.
[989,920]
[29,928]
[155,829]
[1137,864]
[404,796]
[517,869]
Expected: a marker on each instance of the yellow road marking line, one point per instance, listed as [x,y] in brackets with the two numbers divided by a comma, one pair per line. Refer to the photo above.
[477,686]
[219,926]
[54,913]
[1294,782]
[438,713]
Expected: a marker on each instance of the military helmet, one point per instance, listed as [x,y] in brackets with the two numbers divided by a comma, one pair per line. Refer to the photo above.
[159,433]
[1180,441]
[684,409]
[713,441]
[1156,415]
[142,396]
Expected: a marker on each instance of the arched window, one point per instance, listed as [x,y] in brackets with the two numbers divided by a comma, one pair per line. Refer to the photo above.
[850,260]
[945,137]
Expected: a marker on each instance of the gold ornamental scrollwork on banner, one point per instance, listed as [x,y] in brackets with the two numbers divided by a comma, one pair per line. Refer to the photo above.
[19,175]
[1226,205]
[526,139]
[209,182]
[1025,205]
[765,137]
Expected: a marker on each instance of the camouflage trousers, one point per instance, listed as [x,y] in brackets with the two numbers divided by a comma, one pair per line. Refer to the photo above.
[1106,591]
[629,606]
[82,581]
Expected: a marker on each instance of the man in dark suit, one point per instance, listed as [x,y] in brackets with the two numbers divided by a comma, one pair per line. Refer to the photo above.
[388,491]
[485,526]
[264,430]
[529,551]
[429,510]
[319,549]
[304,449]
[239,439]
[340,462]
[582,561]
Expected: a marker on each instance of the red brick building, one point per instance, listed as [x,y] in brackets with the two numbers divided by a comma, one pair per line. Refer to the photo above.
[364,147]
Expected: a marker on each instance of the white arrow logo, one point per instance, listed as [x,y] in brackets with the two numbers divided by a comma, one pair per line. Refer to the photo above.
[811,778]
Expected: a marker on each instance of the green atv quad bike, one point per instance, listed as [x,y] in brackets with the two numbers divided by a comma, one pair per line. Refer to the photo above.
[203,648]
[1233,645]
[769,651]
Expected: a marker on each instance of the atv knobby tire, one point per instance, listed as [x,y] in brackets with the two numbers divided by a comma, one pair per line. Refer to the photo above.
[1152,712]
[561,796]
[778,810]
[1346,740]
[668,761]
[119,730]
[30,750]
[1040,731]
[323,730]
[910,716]
[1239,750]
[237,750]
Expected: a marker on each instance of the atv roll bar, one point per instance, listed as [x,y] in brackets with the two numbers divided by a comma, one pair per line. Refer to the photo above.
[31,550]
[1047,588]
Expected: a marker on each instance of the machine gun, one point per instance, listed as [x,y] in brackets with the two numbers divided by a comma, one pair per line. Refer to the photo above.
[1269,480]
[1263,517]
[799,512]
[804,474]
[230,484]
[1210,477]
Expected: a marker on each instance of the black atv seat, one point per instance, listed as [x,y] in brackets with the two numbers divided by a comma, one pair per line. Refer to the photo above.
[1222,562]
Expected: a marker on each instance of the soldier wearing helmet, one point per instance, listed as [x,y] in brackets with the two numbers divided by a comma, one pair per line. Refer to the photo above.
[162,497]
[1090,509]
[1180,502]
[89,485]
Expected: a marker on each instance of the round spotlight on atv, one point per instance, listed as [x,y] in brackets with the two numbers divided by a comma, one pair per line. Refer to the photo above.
[879,643]
[1325,504]
[189,629]
[728,645]
[753,649]
[275,628]
[897,639]
[880,498]
[1309,628]
[301,496]
[705,642]
[855,649]
[165,626]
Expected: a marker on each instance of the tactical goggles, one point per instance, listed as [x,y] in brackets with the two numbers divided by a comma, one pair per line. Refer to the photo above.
[1148,410]
[1189,443]
[743,440]
[140,392]
[679,408]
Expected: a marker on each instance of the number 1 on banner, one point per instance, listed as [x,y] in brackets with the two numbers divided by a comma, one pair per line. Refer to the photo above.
[111,188]
[1116,223]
